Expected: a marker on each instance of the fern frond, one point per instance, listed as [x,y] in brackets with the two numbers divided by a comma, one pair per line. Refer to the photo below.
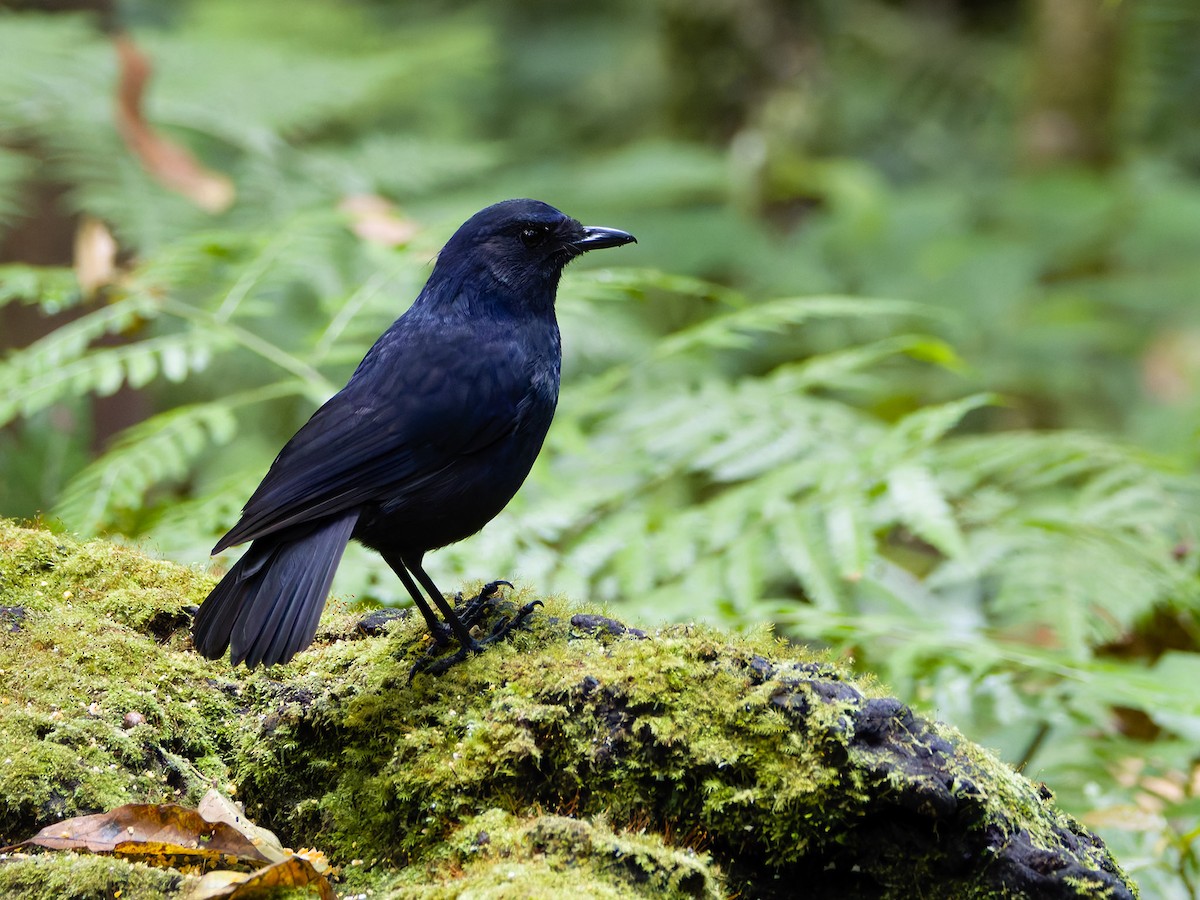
[185,527]
[37,380]
[849,533]
[736,329]
[921,429]
[49,288]
[15,169]
[156,450]
[837,369]
[623,285]
[922,506]
[802,544]
[401,165]
[70,341]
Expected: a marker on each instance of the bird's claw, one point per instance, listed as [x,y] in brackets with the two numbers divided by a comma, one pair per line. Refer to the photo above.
[435,665]
[504,627]
[474,609]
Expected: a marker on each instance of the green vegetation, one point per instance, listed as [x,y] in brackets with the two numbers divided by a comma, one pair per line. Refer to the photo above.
[879,373]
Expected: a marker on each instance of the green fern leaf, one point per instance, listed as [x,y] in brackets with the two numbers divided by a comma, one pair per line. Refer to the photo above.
[833,369]
[801,544]
[37,383]
[851,542]
[153,451]
[49,288]
[921,506]
[737,328]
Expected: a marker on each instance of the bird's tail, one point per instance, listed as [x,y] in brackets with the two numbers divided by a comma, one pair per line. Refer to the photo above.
[267,606]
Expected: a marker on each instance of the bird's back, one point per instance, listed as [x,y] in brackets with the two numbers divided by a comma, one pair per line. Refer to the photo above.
[431,437]
[490,395]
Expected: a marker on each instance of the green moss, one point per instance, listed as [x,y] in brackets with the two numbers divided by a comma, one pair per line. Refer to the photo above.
[496,854]
[78,655]
[574,724]
[66,876]
[688,762]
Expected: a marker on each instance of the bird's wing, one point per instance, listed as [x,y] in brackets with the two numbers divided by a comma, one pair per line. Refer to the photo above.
[408,413]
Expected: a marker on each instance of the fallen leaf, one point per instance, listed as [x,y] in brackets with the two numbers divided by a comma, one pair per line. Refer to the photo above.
[217,834]
[213,885]
[375,219]
[95,255]
[215,807]
[169,163]
[318,860]
[150,832]
[295,871]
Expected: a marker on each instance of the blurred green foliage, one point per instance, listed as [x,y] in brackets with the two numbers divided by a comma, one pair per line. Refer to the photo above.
[864,377]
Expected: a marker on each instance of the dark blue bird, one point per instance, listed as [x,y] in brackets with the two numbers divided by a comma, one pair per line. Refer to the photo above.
[434,433]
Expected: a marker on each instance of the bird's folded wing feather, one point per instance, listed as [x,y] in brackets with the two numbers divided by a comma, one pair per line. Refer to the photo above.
[394,426]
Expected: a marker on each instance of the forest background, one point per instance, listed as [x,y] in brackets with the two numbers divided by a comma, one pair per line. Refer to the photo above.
[907,361]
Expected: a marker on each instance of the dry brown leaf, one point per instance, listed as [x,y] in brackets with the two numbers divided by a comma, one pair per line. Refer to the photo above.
[169,163]
[1124,818]
[149,832]
[215,807]
[1171,366]
[1167,788]
[218,833]
[215,885]
[95,255]
[376,219]
[295,871]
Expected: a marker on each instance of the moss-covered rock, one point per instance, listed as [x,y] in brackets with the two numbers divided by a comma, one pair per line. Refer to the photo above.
[580,758]
[69,876]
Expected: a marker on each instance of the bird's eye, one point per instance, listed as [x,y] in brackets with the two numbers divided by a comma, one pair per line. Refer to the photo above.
[531,236]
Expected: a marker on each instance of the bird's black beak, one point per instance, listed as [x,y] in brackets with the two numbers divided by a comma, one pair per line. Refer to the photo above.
[597,238]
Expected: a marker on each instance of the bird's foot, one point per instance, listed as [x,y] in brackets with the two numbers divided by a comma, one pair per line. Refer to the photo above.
[505,627]
[429,661]
[475,608]
[442,635]
[433,663]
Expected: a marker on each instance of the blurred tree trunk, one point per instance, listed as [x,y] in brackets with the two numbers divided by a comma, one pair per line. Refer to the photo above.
[1075,69]
[726,57]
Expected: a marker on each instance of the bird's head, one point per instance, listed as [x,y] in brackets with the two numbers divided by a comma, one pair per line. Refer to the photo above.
[524,244]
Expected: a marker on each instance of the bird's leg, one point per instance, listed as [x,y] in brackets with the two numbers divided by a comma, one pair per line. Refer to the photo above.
[472,612]
[475,608]
[437,630]
[465,641]
[502,629]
